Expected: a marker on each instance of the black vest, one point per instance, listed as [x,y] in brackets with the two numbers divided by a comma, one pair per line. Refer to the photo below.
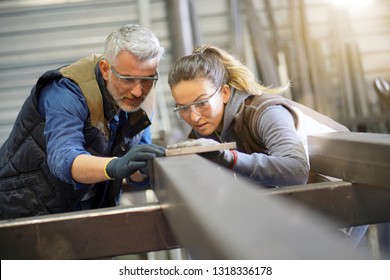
[27,188]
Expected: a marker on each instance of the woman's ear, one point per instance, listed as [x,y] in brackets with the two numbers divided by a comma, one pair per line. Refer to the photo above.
[226,93]
[104,68]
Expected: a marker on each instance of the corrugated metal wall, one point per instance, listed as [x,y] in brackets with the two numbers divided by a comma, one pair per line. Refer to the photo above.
[35,38]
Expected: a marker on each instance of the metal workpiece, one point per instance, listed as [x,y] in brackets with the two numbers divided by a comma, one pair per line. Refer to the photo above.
[215,216]
[86,234]
[350,204]
[352,156]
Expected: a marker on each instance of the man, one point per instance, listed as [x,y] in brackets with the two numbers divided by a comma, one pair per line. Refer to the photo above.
[82,130]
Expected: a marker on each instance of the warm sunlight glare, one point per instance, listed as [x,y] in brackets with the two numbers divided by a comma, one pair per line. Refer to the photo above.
[352,4]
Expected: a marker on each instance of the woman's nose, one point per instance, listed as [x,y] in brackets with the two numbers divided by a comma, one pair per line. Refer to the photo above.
[194,115]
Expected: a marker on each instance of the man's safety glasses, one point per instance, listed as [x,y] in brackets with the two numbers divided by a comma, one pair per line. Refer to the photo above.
[147,83]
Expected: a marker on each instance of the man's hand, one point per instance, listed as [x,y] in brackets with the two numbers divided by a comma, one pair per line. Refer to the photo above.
[222,157]
[135,159]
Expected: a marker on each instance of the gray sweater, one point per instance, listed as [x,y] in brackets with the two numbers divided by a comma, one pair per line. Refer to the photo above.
[282,161]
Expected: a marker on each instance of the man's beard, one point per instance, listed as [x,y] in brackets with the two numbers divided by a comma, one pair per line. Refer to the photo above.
[119,100]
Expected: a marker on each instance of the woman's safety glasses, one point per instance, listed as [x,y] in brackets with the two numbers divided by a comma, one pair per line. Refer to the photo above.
[183,111]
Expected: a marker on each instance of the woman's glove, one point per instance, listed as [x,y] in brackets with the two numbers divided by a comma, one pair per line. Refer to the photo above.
[222,157]
[134,160]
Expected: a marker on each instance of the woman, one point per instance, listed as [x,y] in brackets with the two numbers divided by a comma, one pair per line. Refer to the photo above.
[221,100]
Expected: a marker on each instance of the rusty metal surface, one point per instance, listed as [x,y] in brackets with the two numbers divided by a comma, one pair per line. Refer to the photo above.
[215,216]
[86,234]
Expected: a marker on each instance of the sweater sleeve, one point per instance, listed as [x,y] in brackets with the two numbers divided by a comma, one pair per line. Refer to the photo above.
[286,162]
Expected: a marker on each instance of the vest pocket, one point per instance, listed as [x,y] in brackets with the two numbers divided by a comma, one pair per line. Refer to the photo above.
[23,196]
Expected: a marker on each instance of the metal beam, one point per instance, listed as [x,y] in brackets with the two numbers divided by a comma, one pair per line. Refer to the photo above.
[217,217]
[86,234]
[351,204]
[352,156]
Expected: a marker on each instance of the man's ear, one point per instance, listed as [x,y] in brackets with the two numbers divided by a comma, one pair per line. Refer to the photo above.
[226,93]
[104,68]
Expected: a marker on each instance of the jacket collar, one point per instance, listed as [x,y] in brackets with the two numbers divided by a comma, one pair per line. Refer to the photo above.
[231,109]
[109,106]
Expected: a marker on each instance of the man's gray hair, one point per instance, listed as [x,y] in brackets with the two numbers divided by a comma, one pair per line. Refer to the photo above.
[138,40]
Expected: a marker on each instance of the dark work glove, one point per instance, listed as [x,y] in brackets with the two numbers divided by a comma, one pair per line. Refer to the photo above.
[135,159]
[221,157]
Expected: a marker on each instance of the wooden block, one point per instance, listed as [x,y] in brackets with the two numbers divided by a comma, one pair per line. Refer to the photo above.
[199,149]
